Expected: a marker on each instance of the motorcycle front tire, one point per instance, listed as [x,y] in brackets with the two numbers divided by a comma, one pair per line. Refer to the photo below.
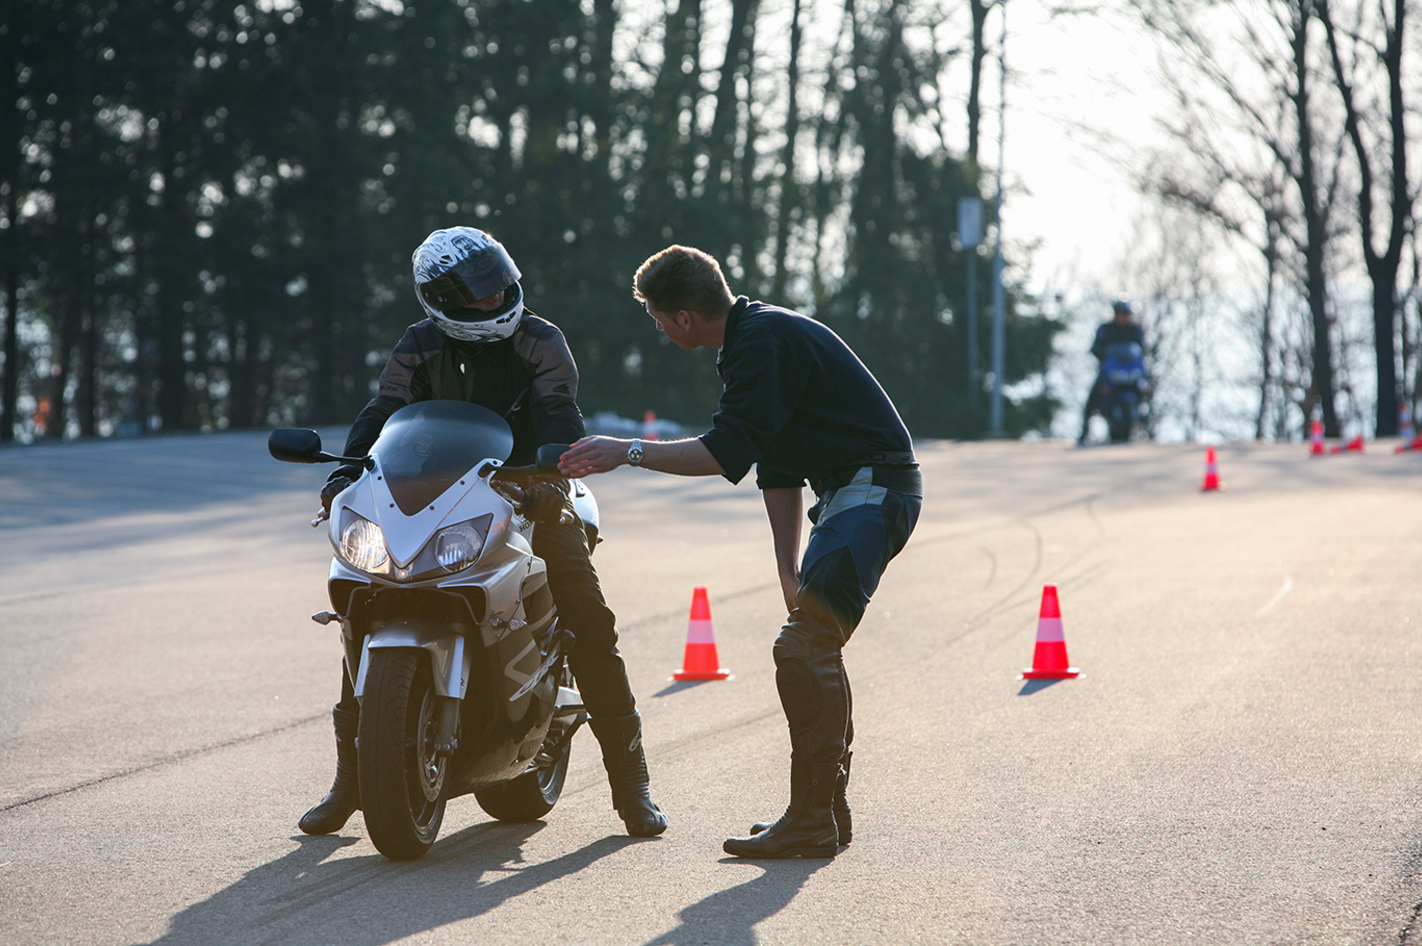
[402,781]
[1118,422]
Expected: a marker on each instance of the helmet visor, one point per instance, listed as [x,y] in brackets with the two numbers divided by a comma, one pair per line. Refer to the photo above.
[448,294]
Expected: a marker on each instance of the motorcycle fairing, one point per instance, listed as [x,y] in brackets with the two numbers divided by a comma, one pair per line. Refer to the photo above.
[450,661]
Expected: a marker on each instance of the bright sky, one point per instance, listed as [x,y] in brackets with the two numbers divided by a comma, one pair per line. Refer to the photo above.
[1074,84]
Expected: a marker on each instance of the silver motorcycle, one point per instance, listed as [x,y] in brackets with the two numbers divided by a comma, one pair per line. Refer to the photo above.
[450,633]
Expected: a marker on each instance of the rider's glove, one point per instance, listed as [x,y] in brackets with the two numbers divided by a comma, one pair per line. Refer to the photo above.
[545,502]
[343,477]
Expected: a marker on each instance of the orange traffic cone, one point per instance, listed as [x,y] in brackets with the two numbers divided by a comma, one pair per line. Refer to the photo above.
[1212,472]
[1049,659]
[1315,437]
[700,662]
[649,425]
[1353,446]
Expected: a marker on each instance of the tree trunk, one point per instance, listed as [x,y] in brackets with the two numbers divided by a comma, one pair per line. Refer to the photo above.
[1316,227]
[10,236]
[789,191]
[979,9]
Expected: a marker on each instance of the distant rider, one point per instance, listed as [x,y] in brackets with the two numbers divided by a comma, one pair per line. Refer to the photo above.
[480,344]
[1121,329]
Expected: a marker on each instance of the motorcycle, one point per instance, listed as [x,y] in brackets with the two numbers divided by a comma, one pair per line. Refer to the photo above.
[447,622]
[1123,376]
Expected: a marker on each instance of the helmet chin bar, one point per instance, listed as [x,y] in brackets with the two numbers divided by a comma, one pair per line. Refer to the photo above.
[487,326]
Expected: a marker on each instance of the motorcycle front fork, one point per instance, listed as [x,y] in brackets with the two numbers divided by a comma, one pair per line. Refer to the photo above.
[446,732]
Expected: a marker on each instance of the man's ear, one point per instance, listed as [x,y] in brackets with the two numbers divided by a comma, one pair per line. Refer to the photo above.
[685,318]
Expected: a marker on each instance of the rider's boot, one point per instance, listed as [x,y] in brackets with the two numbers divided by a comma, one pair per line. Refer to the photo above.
[807,829]
[626,764]
[331,813]
[843,818]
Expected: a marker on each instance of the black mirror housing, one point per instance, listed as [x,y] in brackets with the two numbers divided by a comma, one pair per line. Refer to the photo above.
[294,445]
[548,454]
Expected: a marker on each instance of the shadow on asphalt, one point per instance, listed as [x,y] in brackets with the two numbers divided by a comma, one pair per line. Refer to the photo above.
[369,901]
[1035,686]
[729,917]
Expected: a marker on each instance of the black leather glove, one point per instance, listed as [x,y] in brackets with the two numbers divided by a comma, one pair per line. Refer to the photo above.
[342,477]
[546,502]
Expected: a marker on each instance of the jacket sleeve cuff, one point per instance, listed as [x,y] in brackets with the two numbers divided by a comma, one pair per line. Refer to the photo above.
[734,463]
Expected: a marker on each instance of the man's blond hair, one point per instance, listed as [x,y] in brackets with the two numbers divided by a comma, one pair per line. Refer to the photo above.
[683,277]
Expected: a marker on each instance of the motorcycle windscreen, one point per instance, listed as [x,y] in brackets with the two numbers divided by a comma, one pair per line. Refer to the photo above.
[427,446]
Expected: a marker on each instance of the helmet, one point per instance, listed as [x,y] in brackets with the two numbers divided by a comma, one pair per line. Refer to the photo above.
[461,265]
[1120,306]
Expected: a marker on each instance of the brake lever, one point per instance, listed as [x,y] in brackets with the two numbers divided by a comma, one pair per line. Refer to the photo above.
[321,517]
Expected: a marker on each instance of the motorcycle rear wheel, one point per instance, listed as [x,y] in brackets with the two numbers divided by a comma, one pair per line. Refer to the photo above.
[402,781]
[534,793]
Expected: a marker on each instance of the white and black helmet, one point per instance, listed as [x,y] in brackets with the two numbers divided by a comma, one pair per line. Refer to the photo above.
[459,266]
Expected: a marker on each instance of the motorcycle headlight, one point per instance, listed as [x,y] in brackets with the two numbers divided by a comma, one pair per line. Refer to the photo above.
[458,546]
[363,545]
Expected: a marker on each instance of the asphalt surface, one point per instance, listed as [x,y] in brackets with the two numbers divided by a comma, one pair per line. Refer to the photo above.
[1240,762]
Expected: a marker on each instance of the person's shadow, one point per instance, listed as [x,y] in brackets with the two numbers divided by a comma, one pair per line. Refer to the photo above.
[728,917]
[370,901]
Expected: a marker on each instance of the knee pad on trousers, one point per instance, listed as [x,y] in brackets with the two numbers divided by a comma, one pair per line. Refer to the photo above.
[799,695]
[810,680]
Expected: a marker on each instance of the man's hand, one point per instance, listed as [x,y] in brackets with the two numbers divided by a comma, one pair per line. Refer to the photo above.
[790,587]
[333,488]
[593,455]
[546,502]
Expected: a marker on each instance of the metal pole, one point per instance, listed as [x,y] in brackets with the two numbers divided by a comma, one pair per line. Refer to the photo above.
[998,301]
[974,382]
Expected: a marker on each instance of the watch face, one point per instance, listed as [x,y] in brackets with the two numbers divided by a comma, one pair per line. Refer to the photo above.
[634,455]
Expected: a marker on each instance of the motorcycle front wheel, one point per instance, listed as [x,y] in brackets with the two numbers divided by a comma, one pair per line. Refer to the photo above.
[402,780]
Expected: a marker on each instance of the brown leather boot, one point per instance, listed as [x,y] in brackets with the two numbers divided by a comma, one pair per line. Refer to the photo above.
[843,818]
[807,828]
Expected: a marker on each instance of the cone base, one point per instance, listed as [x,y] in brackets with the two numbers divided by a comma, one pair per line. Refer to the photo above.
[1034,674]
[721,674]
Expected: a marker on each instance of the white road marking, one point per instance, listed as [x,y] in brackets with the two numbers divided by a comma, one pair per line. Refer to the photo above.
[1278,596]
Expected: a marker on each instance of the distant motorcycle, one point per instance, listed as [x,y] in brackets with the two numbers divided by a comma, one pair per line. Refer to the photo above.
[1125,386]
[449,629]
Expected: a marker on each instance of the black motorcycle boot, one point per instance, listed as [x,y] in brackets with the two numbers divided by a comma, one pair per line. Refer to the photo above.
[626,764]
[843,818]
[331,813]
[807,829]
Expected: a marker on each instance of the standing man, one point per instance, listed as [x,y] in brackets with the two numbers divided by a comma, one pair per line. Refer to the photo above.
[478,343]
[801,407]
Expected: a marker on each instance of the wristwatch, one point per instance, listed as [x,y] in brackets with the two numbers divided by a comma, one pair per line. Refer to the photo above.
[634,452]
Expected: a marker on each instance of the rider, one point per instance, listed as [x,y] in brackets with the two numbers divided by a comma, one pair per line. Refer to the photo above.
[481,345]
[1119,329]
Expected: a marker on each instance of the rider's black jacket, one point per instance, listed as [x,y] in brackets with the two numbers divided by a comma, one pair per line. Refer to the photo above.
[529,378]
[1113,332]
[801,406]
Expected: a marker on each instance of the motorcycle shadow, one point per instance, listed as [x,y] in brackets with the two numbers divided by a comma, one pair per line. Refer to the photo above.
[303,897]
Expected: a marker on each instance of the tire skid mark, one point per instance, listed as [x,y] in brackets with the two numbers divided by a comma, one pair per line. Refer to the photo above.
[169,759]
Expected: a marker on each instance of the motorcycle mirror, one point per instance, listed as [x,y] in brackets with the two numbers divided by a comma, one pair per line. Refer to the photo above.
[548,454]
[294,445]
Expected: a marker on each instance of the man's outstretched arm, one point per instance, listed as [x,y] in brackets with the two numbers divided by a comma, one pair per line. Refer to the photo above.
[600,454]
